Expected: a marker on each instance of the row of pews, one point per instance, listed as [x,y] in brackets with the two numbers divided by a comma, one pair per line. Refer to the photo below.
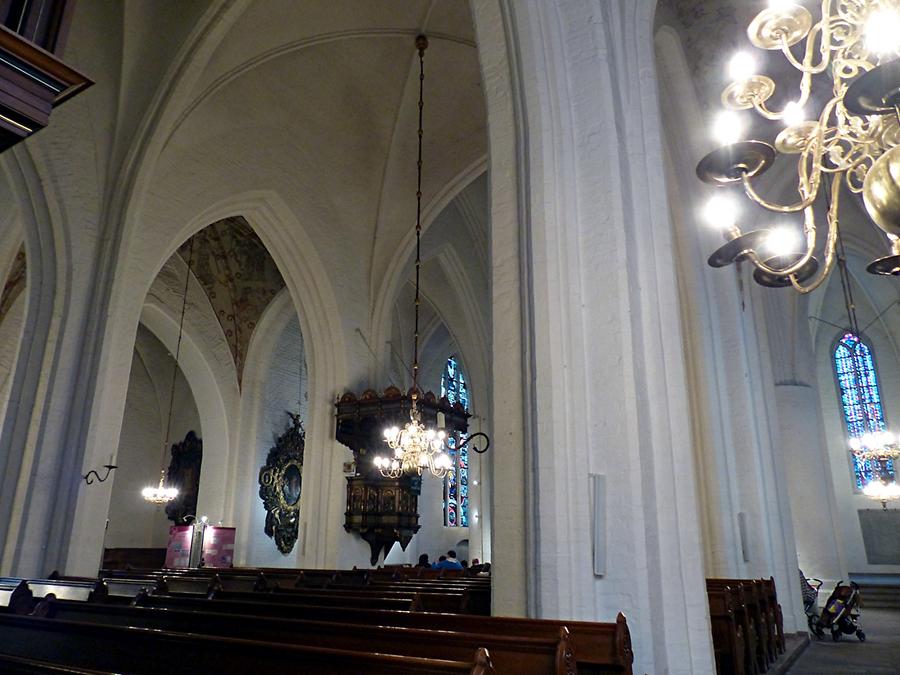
[747,625]
[245,620]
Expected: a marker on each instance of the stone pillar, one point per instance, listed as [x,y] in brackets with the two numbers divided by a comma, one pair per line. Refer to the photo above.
[589,310]
[802,437]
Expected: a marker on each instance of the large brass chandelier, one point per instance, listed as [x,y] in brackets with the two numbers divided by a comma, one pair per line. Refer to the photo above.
[850,141]
[415,447]
[162,494]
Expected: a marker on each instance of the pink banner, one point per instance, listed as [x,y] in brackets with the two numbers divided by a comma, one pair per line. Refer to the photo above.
[178,552]
[218,546]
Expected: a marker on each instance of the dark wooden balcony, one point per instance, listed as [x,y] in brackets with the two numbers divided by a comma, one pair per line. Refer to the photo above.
[33,80]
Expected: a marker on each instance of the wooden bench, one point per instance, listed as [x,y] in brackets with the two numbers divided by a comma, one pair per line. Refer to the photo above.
[728,636]
[16,665]
[433,600]
[142,650]
[527,656]
[15,596]
[599,647]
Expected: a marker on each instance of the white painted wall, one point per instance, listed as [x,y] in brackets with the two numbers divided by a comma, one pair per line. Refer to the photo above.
[871,295]
[275,381]
[134,523]
[10,338]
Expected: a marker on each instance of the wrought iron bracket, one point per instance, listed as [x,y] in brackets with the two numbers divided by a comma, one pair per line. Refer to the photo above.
[92,476]
[487,442]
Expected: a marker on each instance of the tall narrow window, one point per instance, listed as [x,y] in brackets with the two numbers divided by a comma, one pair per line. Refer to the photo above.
[860,398]
[456,483]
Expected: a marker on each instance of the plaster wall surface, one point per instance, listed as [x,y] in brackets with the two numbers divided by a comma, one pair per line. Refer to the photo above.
[134,523]
[283,387]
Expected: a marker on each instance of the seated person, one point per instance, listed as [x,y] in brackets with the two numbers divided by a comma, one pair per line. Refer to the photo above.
[423,561]
[448,563]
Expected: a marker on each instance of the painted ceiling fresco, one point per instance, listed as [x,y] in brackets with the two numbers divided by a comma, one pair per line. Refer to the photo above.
[15,283]
[238,275]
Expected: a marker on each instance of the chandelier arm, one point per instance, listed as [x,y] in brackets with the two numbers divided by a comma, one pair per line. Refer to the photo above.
[810,229]
[760,106]
[806,66]
[830,245]
[777,208]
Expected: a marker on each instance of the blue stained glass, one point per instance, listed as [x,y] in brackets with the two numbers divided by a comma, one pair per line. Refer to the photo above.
[860,399]
[456,483]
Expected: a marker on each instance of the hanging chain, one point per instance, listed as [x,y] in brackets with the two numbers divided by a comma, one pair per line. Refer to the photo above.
[421,45]
[187,279]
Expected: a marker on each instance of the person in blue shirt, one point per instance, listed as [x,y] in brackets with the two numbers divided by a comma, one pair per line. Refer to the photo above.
[449,563]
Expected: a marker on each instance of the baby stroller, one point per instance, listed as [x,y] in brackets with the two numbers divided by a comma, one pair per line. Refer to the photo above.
[810,589]
[841,612]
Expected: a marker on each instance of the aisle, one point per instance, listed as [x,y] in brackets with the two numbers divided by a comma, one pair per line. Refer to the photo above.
[879,655]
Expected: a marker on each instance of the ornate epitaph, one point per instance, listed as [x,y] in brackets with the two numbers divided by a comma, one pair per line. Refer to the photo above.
[280,485]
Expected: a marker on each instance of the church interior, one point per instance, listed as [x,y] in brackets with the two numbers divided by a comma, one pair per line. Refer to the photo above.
[432,336]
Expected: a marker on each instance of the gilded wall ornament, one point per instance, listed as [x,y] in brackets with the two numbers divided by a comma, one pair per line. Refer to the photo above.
[280,483]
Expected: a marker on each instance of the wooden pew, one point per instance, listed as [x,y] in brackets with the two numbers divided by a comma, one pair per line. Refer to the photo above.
[142,650]
[15,665]
[599,647]
[525,656]
[772,595]
[728,635]
[405,602]
[750,614]
[16,597]
[434,600]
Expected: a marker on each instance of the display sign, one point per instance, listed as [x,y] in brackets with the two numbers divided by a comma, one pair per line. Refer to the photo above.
[187,541]
[178,552]
[218,546]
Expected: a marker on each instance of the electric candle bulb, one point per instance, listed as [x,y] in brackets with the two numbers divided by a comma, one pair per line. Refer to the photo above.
[793,114]
[882,31]
[782,241]
[728,127]
[721,212]
[741,67]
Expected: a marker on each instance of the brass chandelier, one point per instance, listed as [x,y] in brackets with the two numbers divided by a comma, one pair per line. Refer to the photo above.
[851,141]
[415,447]
[161,494]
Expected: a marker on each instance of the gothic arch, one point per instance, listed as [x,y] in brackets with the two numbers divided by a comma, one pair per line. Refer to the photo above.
[310,290]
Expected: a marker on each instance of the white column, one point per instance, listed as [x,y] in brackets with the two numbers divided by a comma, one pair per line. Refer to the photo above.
[605,389]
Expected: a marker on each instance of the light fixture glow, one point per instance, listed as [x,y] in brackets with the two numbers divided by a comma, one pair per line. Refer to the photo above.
[721,212]
[783,240]
[882,31]
[882,491]
[728,127]
[793,114]
[742,66]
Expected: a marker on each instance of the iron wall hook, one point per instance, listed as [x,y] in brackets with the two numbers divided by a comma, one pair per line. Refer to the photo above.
[487,441]
[92,476]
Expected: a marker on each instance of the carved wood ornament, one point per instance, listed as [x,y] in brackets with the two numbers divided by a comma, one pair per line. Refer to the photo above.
[280,485]
[184,474]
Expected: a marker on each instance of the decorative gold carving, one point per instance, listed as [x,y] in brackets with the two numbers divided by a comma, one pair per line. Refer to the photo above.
[280,486]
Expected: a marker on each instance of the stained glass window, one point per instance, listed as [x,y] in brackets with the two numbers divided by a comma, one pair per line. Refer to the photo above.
[456,483]
[860,398]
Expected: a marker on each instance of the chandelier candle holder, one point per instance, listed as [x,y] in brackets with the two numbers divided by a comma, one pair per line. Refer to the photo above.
[415,447]
[159,494]
[882,491]
[850,141]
